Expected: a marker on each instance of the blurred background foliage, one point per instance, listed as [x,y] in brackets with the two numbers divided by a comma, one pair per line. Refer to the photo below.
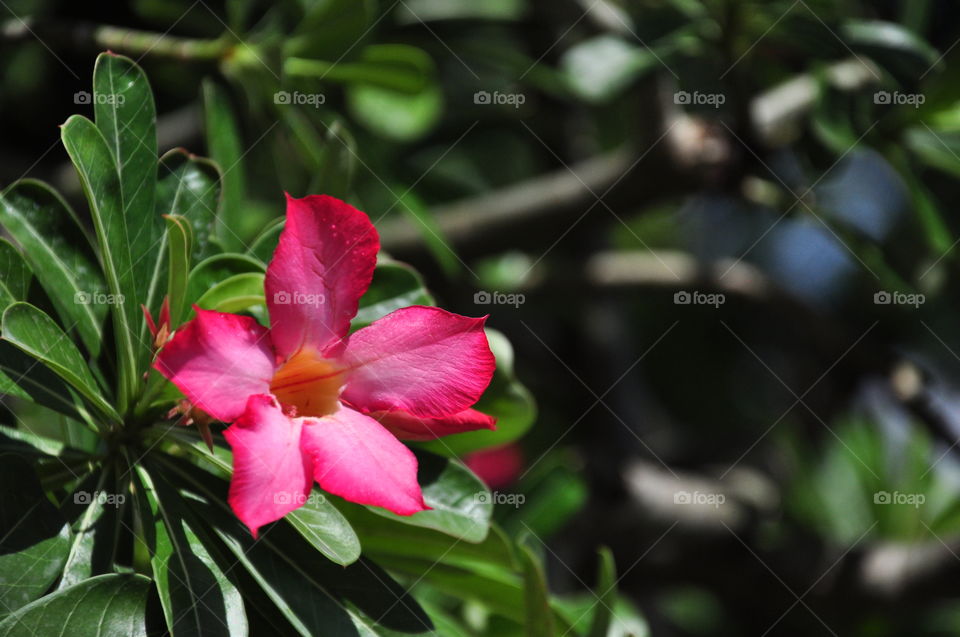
[596,157]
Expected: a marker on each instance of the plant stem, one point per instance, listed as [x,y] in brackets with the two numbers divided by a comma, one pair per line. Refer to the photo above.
[120,39]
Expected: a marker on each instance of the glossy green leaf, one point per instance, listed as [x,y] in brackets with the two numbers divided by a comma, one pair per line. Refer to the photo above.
[47,231]
[394,285]
[210,272]
[460,503]
[179,241]
[125,113]
[102,606]
[121,242]
[34,537]
[20,376]
[35,333]
[226,149]
[189,186]
[235,294]
[321,524]
[197,597]
[94,530]
[15,275]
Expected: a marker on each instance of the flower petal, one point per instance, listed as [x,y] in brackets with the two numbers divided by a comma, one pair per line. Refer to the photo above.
[422,360]
[271,474]
[357,459]
[322,266]
[406,426]
[218,360]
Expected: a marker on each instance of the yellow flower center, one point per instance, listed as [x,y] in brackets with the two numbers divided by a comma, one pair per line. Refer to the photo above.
[309,383]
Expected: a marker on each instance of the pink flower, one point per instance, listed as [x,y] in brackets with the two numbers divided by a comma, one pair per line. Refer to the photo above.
[310,401]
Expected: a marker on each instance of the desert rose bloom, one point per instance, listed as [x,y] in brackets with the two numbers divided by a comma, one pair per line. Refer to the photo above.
[310,401]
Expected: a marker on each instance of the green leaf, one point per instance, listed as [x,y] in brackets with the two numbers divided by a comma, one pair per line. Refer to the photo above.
[939,150]
[899,50]
[189,187]
[538,617]
[234,294]
[120,239]
[397,67]
[34,537]
[301,581]
[15,275]
[35,333]
[226,149]
[606,595]
[47,231]
[394,285]
[330,28]
[395,115]
[197,596]
[461,504]
[125,113]
[309,608]
[321,524]
[266,242]
[178,242]
[212,271]
[599,68]
[94,530]
[102,606]
[20,376]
